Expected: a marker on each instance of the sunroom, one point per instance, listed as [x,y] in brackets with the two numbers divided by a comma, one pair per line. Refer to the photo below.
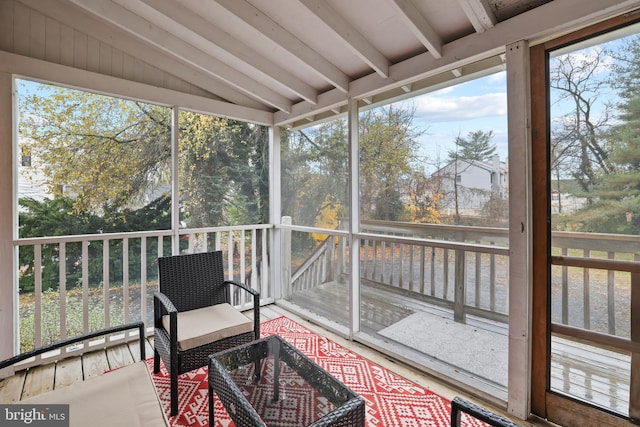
[479,154]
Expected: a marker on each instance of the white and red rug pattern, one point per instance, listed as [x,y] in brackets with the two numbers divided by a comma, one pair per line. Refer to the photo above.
[391,401]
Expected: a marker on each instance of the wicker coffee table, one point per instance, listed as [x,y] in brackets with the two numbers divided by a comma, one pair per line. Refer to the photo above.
[289,389]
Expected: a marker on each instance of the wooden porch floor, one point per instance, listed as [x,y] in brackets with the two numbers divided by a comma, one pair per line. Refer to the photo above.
[595,375]
[43,378]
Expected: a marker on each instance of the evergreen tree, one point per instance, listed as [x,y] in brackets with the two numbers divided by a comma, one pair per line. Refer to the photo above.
[476,146]
[617,206]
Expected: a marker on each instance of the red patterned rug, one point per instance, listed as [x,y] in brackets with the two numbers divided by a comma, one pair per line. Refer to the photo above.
[390,399]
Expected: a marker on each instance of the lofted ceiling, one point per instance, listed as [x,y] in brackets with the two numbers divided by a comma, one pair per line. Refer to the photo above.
[300,59]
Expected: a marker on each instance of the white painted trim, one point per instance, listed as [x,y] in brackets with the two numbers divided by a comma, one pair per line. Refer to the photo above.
[354,214]
[175,181]
[8,230]
[73,77]
[275,211]
[520,234]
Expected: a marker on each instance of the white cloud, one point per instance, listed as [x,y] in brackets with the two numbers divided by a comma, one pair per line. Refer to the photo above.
[443,109]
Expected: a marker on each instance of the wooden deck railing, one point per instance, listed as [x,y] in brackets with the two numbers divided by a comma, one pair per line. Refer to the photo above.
[466,269]
[102,302]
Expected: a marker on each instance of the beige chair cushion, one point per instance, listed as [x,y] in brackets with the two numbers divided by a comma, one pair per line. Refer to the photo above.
[209,324]
[123,397]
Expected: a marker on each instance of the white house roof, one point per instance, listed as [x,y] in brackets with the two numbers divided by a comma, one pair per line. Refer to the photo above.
[298,59]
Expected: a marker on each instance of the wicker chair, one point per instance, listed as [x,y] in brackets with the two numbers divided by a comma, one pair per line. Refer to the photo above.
[459,405]
[193,316]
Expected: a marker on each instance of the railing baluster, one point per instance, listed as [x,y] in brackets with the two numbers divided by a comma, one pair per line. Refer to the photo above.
[125,278]
[264,271]
[37,282]
[611,297]
[422,267]
[459,286]
[445,275]
[478,277]
[85,285]
[62,269]
[492,282]
[143,279]
[565,291]
[383,260]
[374,247]
[392,273]
[365,257]
[433,272]
[230,254]
[586,293]
[254,257]
[106,287]
[411,262]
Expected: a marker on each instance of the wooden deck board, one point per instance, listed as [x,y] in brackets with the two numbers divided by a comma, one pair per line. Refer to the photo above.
[94,363]
[11,387]
[40,379]
[119,356]
[68,371]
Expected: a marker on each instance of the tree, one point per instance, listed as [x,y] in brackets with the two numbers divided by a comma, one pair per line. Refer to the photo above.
[111,152]
[477,146]
[223,171]
[388,147]
[617,203]
[58,217]
[423,198]
[577,86]
[115,154]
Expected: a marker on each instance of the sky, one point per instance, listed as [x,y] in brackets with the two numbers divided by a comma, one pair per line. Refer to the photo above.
[480,104]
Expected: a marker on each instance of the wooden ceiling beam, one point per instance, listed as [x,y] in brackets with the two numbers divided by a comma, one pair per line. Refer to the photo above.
[199,32]
[87,23]
[479,14]
[356,41]
[132,23]
[419,26]
[271,30]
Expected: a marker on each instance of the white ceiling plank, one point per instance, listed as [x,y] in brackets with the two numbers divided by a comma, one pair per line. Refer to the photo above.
[74,77]
[361,47]
[196,30]
[273,31]
[419,26]
[479,13]
[160,38]
[85,23]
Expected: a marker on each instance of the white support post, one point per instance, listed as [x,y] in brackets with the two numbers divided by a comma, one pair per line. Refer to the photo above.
[275,213]
[175,181]
[8,222]
[520,275]
[354,215]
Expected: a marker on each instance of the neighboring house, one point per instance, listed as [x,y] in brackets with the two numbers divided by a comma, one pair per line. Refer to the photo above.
[30,178]
[472,182]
